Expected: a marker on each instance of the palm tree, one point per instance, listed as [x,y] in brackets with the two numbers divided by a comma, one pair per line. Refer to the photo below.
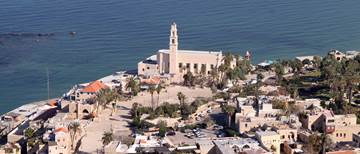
[230,110]
[181,97]
[228,58]
[29,133]
[158,91]
[326,143]
[279,70]
[133,86]
[189,79]
[103,98]
[74,129]
[107,138]
[351,76]
[152,90]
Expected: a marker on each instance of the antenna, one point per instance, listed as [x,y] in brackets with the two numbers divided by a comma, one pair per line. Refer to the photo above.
[48,84]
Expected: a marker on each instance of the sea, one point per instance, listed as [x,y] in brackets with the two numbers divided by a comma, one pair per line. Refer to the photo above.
[79,41]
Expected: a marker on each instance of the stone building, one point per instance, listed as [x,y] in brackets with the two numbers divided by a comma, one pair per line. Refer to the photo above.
[175,62]
[270,140]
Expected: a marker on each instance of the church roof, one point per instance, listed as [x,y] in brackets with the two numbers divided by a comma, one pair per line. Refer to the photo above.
[192,51]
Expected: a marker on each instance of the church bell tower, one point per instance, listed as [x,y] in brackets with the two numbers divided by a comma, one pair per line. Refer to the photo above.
[173,47]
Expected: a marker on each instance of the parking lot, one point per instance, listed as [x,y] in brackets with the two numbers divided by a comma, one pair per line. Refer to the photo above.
[190,135]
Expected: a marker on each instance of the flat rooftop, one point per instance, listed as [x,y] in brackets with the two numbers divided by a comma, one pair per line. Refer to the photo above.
[192,51]
[266,133]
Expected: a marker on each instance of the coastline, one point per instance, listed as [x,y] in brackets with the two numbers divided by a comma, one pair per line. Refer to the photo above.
[35,104]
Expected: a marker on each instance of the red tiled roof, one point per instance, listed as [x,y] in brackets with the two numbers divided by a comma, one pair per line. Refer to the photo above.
[61,129]
[52,102]
[341,152]
[94,87]
[152,80]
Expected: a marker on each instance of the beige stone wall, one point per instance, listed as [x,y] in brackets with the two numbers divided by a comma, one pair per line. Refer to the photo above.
[270,140]
[344,133]
[345,120]
[287,135]
[79,110]
[163,61]
[63,142]
[246,126]
[144,68]
[82,96]
[193,59]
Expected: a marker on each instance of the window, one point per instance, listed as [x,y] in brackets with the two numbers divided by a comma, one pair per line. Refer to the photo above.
[212,66]
[172,41]
[246,125]
[282,136]
[195,66]
[187,65]
[148,68]
[203,68]
[332,120]
[143,69]
[180,65]
[344,135]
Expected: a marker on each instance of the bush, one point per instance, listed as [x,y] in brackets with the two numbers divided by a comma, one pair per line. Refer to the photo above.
[277,104]
[136,122]
[162,128]
[231,133]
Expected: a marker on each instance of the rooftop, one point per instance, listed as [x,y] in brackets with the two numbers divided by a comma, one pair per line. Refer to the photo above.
[266,133]
[94,87]
[192,51]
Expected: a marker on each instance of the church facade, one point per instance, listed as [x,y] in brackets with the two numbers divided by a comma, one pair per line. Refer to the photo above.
[174,62]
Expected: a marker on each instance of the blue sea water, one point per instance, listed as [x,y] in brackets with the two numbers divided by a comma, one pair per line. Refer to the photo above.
[114,35]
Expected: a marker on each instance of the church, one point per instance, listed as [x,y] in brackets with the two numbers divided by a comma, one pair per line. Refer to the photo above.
[174,62]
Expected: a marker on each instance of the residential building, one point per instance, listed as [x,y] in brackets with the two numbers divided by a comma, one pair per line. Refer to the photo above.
[287,133]
[89,90]
[230,145]
[142,141]
[60,142]
[269,140]
[340,127]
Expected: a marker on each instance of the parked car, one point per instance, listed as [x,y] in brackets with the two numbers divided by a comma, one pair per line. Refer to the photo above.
[217,127]
[170,133]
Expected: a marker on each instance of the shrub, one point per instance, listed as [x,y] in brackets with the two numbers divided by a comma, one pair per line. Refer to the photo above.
[162,128]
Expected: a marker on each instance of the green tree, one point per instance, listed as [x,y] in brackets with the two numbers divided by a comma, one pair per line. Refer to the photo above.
[151,90]
[351,76]
[185,110]
[136,122]
[74,129]
[103,98]
[29,133]
[162,128]
[133,86]
[158,91]
[279,71]
[326,143]
[229,110]
[134,110]
[189,79]
[228,58]
[316,61]
[107,138]
[181,98]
